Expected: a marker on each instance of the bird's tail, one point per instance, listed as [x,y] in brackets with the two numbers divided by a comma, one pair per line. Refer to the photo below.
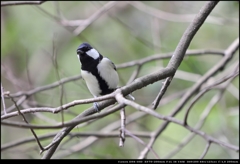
[130,97]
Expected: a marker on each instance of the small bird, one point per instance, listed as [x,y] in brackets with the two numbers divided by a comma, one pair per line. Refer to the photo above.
[98,72]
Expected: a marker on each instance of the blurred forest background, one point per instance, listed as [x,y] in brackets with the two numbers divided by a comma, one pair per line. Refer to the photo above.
[38,48]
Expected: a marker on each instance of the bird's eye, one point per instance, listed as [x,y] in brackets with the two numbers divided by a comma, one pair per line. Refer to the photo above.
[86,49]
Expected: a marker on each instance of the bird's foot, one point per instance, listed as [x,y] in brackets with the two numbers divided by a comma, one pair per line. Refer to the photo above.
[96,107]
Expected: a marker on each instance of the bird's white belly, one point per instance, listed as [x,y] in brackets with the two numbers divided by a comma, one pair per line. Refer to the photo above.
[91,82]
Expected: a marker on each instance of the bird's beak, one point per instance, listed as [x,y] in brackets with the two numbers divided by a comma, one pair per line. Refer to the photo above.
[79,52]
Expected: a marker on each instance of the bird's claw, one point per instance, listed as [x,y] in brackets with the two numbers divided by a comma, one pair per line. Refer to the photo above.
[96,107]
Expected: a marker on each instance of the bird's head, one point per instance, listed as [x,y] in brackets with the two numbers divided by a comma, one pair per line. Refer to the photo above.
[85,50]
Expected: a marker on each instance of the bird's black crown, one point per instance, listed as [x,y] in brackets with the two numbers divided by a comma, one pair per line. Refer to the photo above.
[84,47]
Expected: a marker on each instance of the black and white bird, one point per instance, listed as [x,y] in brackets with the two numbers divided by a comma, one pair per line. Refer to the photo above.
[98,72]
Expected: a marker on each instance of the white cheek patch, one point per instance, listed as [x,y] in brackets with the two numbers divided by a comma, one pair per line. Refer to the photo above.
[108,73]
[93,53]
[91,82]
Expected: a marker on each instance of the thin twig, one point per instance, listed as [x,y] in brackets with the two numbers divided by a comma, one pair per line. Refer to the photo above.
[55,64]
[46,87]
[205,150]
[28,71]
[3,100]
[14,3]
[24,119]
[59,125]
[134,74]
[122,128]
[205,90]
[178,17]
[11,108]
[94,17]
[162,92]
[167,56]
[25,140]
[142,142]
[58,109]
[132,31]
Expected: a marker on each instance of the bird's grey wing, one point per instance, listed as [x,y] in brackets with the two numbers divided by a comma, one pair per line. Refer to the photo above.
[113,65]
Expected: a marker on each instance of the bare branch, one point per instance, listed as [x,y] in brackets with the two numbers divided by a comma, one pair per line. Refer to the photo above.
[26,140]
[94,17]
[3,101]
[178,17]
[14,3]
[55,64]
[134,74]
[59,125]
[189,34]
[46,87]
[19,102]
[206,150]
[162,92]
[25,120]
[205,90]
[60,108]
[122,129]
[167,56]
[73,134]
[142,142]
